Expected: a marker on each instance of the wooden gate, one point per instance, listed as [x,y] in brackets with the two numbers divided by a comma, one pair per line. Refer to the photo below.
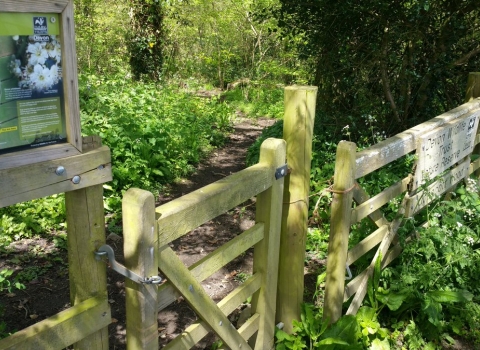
[443,147]
[149,230]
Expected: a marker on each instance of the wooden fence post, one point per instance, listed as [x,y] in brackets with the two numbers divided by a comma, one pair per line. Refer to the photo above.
[473,86]
[141,256]
[473,91]
[85,234]
[266,252]
[298,132]
[344,181]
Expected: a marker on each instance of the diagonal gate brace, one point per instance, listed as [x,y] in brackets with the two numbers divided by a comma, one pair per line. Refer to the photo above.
[202,304]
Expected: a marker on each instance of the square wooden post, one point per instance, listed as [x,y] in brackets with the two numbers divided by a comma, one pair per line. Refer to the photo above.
[298,132]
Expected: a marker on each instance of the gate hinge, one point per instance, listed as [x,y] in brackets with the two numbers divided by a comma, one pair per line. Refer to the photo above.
[281,172]
[106,250]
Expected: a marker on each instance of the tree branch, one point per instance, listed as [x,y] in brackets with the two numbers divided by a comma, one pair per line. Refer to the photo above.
[465,58]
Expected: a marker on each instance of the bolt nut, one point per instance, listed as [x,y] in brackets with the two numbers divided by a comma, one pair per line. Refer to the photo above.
[60,170]
[76,179]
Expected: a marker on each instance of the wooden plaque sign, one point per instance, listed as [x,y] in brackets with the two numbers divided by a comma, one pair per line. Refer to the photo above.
[39,112]
[441,148]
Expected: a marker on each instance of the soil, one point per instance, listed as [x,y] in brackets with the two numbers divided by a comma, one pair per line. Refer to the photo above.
[48,292]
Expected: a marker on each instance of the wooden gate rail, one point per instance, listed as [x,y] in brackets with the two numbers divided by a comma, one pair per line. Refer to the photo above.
[351,165]
[148,229]
[64,328]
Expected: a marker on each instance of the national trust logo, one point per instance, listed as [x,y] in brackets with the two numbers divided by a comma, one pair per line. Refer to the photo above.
[40,25]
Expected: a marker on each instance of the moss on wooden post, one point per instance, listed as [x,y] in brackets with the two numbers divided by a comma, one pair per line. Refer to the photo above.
[344,180]
[141,256]
[86,233]
[298,132]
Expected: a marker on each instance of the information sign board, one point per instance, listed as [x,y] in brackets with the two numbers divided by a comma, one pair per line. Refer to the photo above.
[38,78]
[441,148]
[31,92]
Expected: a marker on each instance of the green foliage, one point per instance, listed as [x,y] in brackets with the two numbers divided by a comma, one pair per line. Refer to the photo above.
[145,38]
[253,152]
[257,101]
[100,36]
[6,282]
[27,219]
[313,333]
[368,59]
[155,133]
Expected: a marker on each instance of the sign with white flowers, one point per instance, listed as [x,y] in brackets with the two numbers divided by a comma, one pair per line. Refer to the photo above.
[32,111]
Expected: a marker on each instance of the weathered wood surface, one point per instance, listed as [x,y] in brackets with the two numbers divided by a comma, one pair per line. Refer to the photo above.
[86,233]
[373,204]
[181,215]
[352,287]
[441,148]
[209,264]
[43,6]
[401,144]
[381,252]
[298,124]
[344,182]
[198,299]
[39,179]
[266,252]
[62,329]
[70,78]
[140,249]
[194,333]
[360,197]
[367,244]
[445,182]
[20,158]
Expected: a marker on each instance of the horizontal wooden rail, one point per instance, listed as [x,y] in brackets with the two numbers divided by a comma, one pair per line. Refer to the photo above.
[62,329]
[181,215]
[378,201]
[40,179]
[194,333]
[386,151]
[209,264]
[366,244]
[28,157]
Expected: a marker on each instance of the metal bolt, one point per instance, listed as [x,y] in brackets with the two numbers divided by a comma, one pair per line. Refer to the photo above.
[76,179]
[60,170]
[101,167]
[220,323]
[282,172]
[190,288]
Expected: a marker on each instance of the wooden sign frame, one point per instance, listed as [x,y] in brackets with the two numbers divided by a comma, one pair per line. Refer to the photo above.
[70,103]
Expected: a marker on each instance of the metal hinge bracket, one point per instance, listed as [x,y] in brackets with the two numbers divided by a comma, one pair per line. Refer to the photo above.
[281,172]
[106,250]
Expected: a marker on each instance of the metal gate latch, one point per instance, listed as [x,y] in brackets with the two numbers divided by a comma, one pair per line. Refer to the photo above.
[106,250]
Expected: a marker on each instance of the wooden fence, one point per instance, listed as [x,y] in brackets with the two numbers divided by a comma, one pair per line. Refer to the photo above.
[443,146]
[85,323]
[149,230]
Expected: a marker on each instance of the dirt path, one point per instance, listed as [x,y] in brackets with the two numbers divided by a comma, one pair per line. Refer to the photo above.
[49,293]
